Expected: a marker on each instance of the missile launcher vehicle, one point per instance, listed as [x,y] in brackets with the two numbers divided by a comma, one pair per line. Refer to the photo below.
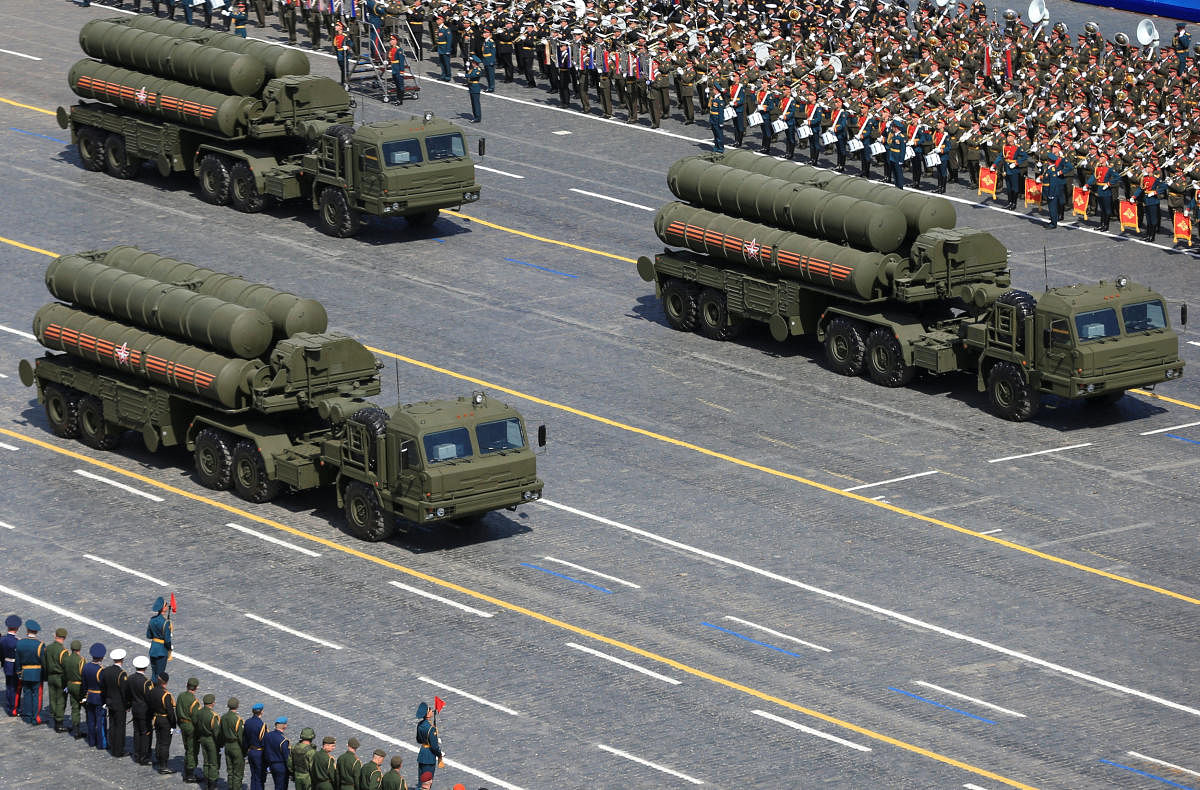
[252,383]
[883,278]
[248,121]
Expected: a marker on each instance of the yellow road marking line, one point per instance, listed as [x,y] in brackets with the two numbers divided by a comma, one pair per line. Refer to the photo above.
[537,238]
[518,609]
[27,106]
[1156,396]
[27,247]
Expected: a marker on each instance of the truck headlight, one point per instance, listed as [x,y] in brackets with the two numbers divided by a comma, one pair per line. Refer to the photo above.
[529,496]
[441,511]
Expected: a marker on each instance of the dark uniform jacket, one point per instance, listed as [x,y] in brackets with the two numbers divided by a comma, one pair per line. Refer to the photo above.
[114,688]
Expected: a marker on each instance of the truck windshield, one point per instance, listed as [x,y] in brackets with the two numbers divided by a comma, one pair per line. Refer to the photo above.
[402,152]
[447,445]
[500,435]
[1144,316]
[445,146]
[1097,324]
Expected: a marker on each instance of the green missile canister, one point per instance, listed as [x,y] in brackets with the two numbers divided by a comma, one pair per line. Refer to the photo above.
[278,61]
[784,204]
[781,252]
[174,101]
[921,211]
[289,314]
[157,306]
[172,58]
[229,382]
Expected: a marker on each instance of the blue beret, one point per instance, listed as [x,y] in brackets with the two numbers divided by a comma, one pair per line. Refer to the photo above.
[97,650]
[281,720]
[12,621]
[159,603]
[256,707]
[32,625]
[422,710]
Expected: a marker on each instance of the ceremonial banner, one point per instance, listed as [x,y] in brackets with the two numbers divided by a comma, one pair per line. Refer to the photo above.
[1033,192]
[1128,215]
[1079,202]
[987,181]
[1183,227]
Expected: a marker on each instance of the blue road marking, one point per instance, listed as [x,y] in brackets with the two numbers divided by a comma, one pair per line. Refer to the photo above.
[540,268]
[1183,439]
[568,578]
[1143,773]
[440,241]
[940,705]
[753,641]
[35,134]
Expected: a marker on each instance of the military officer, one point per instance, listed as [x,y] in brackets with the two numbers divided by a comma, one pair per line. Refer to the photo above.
[971,151]
[1181,43]
[736,99]
[474,87]
[73,664]
[1010,163]
[1055,173]
[252,741]
[94,697]
[940,145]
[158,631]
[1151,189]
[659,91]
[526,55]
[814,118]
[290,9]
[897,141]
[443,39]
[487,54]
[429,757]
[300,760]
[8,649]
[139,705]
[276,751]
[506,38]
[397,63]
[316,21]
[323,770]
[371,775]
[162,717]
[207,725]
[238,19]
[606,64]
[922,143]
[415,19]
[56,651]
[839,124]
[394,779]
[341,50]
[230,737]
[29,672]
[348,765]
[186,708]
[716,119]
[114,692]
[1103,182]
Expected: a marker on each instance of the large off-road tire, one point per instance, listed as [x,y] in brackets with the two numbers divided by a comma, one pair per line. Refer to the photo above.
[424,219]
[117,160]
[213,457]
[62,410]
[94,430]
[214,179]
[845,347]
[337,217]
[375,419]
[884,360]
[243,192]
[1026,306]
[250,480]
[680,304]
[91,148]
[364,515]
[713,319]
[1009,393]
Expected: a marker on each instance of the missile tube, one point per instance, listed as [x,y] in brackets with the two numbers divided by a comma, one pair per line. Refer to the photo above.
[278,61]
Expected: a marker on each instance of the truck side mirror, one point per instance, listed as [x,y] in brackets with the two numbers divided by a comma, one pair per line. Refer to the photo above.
[1183,314]
[541,436]
[405,459]
[482,146]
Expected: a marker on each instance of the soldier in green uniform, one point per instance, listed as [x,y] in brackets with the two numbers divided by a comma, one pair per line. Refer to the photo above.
[323,770]
[371,775]
[290,9]
[208,725]
[186,707]
[687,91]
[230,738]
[73,677]
[394,779]
[300,760]
[55,653]
[348,765]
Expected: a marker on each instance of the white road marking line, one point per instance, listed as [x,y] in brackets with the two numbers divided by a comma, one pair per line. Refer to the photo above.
[6,525]
[1164,763]
[612,199]
[649,764]
[121,486]
[1194,342]
[18,332]
[893,480]
[1172,428]
[624,663]
[798,726]
[594,573]
[969,699]
[973,787]
[561,132]
[773,632]
[992,532]
[879,610]
[3,375]
[250,684]
[291,631]
[8,446]
[471,697]
[447,601]
[19,54]
[497,172]
[130,571]
[273,539]
[1040,452]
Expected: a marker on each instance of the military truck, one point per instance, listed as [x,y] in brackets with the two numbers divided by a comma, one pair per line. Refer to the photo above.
[250,380]
[883,278]
[253,126]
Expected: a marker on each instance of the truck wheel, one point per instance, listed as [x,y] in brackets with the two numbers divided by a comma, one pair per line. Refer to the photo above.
[243,192]
[713,321]
[94,430]
[1009,393]
[375,419]
[1026,307]
[91,149]
[884,359]
[844,346]
[364,516]
[423,219]
[337,218]
[62,410]
[214,180]
[117,161]
[679,303]
[250,480]
[214,459]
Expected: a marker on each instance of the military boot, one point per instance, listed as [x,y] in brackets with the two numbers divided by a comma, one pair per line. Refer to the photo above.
[791,149]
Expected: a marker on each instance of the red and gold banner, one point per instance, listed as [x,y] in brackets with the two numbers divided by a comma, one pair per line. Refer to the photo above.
[1183,227]
[1033,192]
[1129,219]
[1079,202]
[987,182]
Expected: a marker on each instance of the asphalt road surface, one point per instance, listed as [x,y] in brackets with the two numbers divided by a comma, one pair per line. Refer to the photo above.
[747,572]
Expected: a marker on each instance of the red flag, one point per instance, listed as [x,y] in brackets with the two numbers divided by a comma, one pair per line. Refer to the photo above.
[438,704]
[1183,227]
[1128,215]
[987,181]
[172,604]
[1033,192]
[1079,202]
